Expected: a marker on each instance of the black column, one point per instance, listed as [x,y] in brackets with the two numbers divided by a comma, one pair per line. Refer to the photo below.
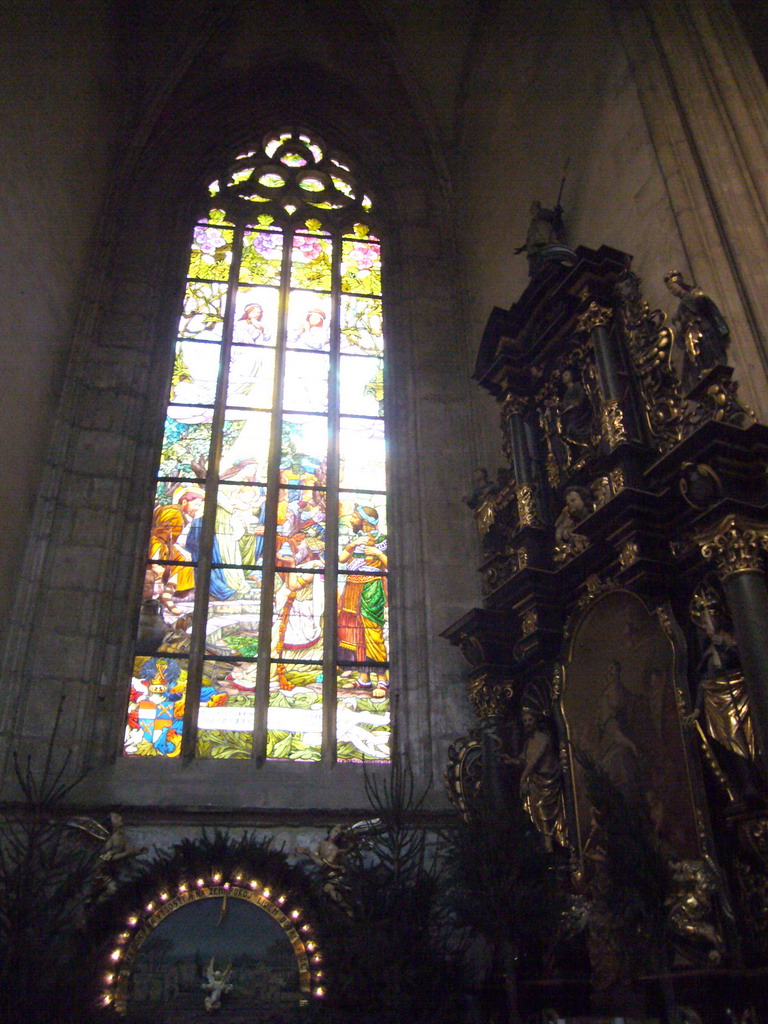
[619,421]
[747,598]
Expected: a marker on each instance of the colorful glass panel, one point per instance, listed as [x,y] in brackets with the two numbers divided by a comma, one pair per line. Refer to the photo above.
[361,266]
[242,508]
[311,262]
[295,712]
[293,159]
[196,368]
[186,442]
[211,254]
[156,707]
[360,514]
[309,321]
[263,294]
[233,623]
[235,603]
[361,326]
[245,445]
[261,260]
[218,216]
[362,454]
[305,445]
[227,710]
[363,620]
[363,729]
[301,524]
[255,316]
[270,179]
[168,592]
[305,383]
[297,612]
[251,380]
[203,312]
[361,389]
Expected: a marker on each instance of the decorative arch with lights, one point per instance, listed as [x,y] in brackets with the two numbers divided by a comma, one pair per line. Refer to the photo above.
[140,924]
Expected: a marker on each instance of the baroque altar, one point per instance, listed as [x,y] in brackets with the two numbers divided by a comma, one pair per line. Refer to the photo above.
[619,662]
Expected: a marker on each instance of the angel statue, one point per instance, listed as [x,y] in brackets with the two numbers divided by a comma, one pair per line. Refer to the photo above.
[115,848]
[330,854]
[217,985]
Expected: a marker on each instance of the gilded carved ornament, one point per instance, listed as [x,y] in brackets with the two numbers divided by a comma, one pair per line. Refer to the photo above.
[722,716]
[601,491]
[530,621]
[488,699]
[665,621]
[735,545]
[526,505]
[513,405]
[629,554]
[649,343]
[618,481]
[612,423]
[463,773]
[594,586]
[557,682]
[593,316]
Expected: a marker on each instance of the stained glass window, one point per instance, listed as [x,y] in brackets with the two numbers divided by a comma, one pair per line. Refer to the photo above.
[264,628]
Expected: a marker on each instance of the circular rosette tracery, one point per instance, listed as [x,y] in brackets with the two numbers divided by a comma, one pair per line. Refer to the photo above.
[293,174]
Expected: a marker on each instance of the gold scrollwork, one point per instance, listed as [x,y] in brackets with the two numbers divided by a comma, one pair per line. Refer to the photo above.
[485,516]
[530,621]
[612,423]
[593,316]
[629,554]
[526,505]
[513,405]
[557,682]
[618,480]
[665,621]
[593,587]
[735,545]
[553,470]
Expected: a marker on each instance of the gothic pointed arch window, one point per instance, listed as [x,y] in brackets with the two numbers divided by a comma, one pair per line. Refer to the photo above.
[263,630]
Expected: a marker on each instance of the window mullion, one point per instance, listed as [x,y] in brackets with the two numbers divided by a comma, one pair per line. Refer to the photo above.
[270,522]
[330,683]
[203,571]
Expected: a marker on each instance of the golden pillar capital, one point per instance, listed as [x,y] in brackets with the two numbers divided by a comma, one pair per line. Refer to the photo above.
[593,316]
[735,545]
[513,405]
[489,699]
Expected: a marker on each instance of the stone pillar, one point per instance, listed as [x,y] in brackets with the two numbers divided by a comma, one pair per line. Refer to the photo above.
[706,106]
[736,547]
